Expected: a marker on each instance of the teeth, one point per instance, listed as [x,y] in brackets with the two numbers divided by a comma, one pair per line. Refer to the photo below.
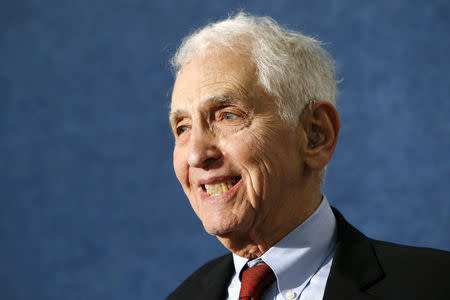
[219,188]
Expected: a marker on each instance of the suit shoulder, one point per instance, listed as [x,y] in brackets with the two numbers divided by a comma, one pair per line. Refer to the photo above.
[204,278]
[424,271]
[398,254]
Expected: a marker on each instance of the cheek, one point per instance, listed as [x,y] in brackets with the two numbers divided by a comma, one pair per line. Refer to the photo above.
[265,153]
[252,152]
[257,147]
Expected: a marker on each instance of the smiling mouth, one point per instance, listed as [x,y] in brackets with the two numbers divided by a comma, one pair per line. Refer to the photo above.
[218,188]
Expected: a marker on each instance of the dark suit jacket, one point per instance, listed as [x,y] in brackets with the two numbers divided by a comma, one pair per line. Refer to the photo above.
[362,268]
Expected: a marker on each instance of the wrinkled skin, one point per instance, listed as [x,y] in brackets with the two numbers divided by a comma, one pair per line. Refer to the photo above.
[226,126]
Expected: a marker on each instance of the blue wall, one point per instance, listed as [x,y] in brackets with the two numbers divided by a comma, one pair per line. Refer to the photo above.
[90,207]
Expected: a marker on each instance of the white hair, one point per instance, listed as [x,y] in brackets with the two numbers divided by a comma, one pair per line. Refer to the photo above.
[290,66]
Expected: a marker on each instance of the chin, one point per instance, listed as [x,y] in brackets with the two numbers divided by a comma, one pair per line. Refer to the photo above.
[220,225]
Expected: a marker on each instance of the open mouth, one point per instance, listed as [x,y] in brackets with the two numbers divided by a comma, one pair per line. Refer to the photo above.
[218,188]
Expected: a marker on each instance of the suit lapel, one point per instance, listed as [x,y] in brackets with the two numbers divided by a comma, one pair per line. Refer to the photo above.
[355,266]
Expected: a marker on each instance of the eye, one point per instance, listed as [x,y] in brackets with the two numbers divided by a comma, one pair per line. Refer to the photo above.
[181,129]
[229,116]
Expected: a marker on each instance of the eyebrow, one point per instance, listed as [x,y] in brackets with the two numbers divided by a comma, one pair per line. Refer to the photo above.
[221,99]
[213,100]
[175,115]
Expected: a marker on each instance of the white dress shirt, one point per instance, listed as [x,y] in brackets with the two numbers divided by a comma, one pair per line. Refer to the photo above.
[301,261]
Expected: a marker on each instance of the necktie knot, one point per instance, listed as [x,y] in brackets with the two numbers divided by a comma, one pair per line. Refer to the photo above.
[254,280]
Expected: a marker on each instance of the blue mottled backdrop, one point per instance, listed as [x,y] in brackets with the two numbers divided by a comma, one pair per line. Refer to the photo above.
[90,207]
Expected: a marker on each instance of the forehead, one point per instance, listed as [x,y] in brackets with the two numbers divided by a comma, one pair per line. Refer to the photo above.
[214,74]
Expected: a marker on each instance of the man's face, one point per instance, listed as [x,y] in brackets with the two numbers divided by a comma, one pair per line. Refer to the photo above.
[237,161]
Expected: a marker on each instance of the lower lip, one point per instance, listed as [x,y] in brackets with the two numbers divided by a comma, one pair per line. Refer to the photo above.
[222,197]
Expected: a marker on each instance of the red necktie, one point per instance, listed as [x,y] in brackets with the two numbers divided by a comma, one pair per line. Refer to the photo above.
[254,280]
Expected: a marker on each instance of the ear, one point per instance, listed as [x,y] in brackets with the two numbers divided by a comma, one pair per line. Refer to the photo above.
[320,124]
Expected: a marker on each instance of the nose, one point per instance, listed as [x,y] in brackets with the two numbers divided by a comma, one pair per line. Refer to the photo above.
[203,150]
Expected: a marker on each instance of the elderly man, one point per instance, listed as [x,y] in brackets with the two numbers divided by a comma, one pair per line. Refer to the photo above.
[255,124]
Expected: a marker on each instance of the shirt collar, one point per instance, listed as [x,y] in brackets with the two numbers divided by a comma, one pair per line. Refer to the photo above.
[298,256]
